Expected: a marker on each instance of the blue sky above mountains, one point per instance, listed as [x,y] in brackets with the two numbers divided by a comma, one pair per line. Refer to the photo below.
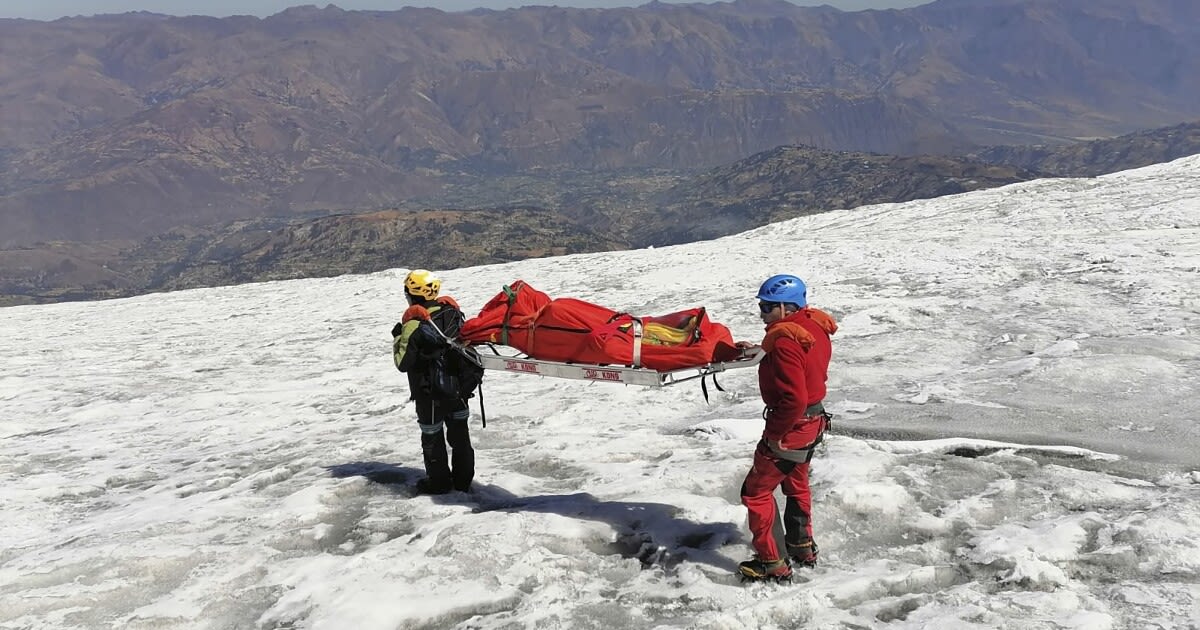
[53,9]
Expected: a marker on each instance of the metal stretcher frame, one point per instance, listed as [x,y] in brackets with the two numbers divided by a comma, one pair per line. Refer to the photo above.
[612,373]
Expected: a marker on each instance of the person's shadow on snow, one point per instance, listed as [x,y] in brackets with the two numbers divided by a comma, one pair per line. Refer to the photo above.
[400,479]
[650,532]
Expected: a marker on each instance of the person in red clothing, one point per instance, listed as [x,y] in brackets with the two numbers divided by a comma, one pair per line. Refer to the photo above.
[791,379]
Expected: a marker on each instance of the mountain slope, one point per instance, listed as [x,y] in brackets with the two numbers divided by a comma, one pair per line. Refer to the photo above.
[1099,157]
[793,181]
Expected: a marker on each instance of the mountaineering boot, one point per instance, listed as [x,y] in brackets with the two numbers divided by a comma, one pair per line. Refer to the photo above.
[758,569]
[430,486]
[804,554]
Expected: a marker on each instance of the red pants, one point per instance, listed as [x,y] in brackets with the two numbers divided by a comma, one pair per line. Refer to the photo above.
[758,495]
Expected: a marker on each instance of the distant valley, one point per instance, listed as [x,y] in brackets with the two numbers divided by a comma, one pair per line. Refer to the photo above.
[560,213]
[141,152]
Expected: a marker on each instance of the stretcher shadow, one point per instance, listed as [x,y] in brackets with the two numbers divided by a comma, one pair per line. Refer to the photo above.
[650,532]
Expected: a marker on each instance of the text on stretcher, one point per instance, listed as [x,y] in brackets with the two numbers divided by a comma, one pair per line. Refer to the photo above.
[521,366]
[601,375]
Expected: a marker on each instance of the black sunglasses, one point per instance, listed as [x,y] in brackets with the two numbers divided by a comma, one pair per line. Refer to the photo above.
[767,307]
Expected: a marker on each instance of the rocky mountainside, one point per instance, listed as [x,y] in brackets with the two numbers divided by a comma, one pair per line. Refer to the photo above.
[614,211]
[272,249]
[121,127]
[792,181]
[1089,159]
[561,212]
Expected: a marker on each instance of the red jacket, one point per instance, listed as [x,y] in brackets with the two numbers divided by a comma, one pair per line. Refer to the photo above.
[792,375]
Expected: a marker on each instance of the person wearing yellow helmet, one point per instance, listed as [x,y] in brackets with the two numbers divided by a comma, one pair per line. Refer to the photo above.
[420,343]
[421,285]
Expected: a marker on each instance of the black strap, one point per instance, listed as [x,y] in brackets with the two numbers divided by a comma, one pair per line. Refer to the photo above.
[704,385]
[804,454]
[482,413]
[699,317]
[812,450]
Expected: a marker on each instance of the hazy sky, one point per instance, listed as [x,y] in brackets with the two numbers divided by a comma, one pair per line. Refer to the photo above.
[51,9]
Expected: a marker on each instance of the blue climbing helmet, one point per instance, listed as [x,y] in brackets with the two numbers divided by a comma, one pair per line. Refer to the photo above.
[784,288]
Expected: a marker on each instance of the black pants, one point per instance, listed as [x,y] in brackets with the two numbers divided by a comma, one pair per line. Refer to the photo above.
[442,422]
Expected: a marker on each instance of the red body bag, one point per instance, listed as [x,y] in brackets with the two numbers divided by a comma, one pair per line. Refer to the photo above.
[571,330]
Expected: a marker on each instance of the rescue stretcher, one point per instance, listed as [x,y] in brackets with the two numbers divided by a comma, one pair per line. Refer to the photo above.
[626,374]
[573,339]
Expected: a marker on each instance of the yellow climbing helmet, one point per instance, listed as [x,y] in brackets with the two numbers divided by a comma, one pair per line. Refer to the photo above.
[422,284]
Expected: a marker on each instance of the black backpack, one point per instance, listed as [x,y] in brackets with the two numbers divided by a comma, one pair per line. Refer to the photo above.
[457,371]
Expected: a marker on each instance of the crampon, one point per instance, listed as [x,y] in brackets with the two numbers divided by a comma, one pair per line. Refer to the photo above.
[757,570]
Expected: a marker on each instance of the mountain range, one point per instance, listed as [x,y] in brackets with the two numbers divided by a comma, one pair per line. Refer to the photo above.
[142,152]
[126,126]
[559,213]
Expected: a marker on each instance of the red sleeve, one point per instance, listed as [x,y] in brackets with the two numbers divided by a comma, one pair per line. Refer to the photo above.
[789,384]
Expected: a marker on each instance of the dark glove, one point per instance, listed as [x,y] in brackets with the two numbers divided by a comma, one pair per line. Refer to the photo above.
[397,328]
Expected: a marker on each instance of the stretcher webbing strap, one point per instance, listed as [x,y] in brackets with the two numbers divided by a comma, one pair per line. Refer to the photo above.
[637,342]
[512,298]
